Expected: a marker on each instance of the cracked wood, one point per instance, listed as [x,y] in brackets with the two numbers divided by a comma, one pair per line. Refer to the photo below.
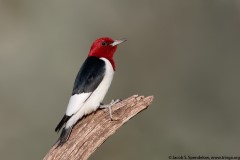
[90,132]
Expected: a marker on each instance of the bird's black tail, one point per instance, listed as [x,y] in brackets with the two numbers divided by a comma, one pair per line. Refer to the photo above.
[62,122]
[64,136]
[65,131]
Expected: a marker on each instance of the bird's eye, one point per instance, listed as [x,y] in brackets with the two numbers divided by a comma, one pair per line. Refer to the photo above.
[104,43]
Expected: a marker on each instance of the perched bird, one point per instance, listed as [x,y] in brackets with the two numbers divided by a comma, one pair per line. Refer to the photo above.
[91,85]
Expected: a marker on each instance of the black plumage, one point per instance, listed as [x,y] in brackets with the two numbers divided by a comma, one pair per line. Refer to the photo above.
[89,76]
[64,136]
[62,122]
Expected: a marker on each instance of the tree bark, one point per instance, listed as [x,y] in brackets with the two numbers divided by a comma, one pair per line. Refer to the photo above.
[94,129]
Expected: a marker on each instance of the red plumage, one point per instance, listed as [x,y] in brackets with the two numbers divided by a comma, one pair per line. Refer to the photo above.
[102,48]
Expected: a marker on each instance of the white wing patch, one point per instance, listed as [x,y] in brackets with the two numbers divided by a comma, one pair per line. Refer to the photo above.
[75,103]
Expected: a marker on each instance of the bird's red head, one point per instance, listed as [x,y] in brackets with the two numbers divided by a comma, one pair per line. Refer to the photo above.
[105,47]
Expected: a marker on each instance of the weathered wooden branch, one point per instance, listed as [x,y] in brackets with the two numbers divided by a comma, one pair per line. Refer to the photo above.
[95,128]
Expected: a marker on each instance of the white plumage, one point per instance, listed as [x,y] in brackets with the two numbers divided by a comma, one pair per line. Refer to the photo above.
[75,103]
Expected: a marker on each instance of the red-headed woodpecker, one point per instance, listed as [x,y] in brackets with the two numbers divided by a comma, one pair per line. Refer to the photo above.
[91,85]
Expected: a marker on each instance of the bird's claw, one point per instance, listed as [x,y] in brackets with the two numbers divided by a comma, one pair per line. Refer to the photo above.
[109,106]
[115,101]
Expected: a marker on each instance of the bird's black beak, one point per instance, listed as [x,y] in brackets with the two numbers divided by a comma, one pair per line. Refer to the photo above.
[117,42]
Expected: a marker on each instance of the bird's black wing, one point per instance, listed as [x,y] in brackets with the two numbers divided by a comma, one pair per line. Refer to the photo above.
[89,76]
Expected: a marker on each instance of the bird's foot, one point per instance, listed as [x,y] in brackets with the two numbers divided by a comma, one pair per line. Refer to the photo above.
[109,106]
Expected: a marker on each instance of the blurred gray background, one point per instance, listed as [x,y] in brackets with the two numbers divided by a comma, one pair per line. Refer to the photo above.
[185,53]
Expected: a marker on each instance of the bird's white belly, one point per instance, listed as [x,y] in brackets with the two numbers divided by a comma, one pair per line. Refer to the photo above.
[93,102]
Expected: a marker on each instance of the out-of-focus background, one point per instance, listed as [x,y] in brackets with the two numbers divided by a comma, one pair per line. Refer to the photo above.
[185,53]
